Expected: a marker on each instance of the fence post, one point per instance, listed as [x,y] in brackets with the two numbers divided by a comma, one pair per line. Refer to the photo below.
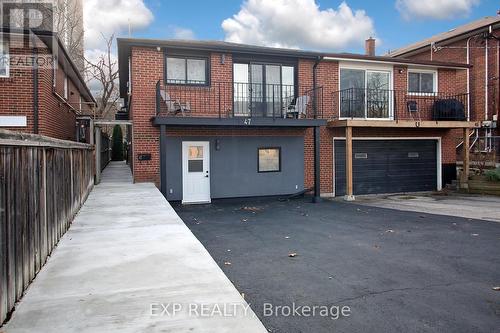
[98,146]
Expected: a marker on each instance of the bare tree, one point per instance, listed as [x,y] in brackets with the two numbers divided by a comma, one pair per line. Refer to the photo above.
[104,71]
[68,23]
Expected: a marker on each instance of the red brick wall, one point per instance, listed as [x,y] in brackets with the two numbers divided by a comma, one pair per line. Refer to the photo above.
[56,119]
[147,69]
[16,93]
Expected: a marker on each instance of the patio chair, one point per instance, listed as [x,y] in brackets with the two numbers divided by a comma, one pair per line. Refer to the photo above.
[299,108]
[174,106]
[412,107]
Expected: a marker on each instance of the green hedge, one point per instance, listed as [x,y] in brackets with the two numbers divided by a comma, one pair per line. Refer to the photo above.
[493,175]
[117,150]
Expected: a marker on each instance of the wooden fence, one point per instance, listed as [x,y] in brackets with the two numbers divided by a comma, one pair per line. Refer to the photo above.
[43,183]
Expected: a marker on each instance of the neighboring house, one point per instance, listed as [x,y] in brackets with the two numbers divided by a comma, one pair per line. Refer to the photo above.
[216,120]
[68,23]
[476,43]
[45,98]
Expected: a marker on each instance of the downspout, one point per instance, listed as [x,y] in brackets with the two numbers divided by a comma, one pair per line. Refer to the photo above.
[486,80]
[498,77]
[317,174]
[468,77]
[35,89]
[315,66]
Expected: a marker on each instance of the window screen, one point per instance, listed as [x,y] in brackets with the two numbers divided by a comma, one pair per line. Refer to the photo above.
[269,160]
[4,58]
[421,82]
[186,70]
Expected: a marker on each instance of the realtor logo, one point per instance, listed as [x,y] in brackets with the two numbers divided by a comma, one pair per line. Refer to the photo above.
[22,15]
[20,24]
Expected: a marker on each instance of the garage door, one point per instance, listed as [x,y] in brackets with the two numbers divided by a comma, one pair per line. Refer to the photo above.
[388,166]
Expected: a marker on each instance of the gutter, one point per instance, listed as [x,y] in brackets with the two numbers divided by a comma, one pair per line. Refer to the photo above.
[396,62]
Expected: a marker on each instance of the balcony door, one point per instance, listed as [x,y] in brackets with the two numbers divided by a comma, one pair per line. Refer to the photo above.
[262,90]
[365,93]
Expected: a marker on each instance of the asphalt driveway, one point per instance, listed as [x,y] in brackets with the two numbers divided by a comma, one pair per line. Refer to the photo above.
[396,271]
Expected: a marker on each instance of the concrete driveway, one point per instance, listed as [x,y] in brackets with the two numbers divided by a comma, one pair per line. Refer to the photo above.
[396,271]
[462,205]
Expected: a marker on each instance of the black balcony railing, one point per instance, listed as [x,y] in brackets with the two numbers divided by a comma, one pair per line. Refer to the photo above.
[235,99]
[364,103]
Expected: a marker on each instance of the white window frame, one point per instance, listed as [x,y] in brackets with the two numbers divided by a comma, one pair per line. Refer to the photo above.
[4,45]
[80,103]
[129,83]
[369,67]
[434,73]
[55,66]
[66,90]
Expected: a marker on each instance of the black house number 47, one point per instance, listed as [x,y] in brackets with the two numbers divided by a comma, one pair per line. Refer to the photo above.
[247,121]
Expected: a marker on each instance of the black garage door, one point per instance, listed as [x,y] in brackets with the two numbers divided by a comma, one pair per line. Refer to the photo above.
[388,166]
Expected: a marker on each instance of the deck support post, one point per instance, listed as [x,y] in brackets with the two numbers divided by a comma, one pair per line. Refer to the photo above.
[349,196]
[464,176]
[163,160]
[317,178]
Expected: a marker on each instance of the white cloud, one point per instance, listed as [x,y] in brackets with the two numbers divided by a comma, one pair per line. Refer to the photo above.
[112,16]
[298,24]
[183,33]
[435,9]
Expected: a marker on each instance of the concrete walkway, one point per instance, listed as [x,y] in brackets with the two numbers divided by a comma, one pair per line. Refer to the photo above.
[481,207]
[129,264]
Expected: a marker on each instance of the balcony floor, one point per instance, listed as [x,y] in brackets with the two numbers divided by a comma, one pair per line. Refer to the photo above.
[238,121]
[403,123]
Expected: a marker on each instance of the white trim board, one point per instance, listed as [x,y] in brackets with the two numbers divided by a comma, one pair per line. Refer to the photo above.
[13,121]
[438,154]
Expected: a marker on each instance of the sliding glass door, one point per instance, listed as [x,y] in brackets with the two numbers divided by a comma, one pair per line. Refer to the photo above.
[378,94]
[262,90]
[365,93]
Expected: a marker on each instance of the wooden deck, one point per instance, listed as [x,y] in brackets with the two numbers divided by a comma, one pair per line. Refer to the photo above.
[403,123]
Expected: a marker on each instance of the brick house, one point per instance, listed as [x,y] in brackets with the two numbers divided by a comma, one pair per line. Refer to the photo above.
[215,120]
[41,90]
[476,43]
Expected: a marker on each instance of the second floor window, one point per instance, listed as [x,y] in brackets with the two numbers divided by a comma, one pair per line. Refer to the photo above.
[4,59]
[65,87]
[186,70]
[422,82]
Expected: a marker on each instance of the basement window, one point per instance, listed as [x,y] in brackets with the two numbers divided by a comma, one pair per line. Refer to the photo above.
[4,58]
[269,159]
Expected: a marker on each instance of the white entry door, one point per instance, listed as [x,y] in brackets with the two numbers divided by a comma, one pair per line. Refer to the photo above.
[195,171]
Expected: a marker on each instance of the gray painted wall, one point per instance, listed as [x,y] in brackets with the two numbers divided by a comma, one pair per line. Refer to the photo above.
[233,168]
